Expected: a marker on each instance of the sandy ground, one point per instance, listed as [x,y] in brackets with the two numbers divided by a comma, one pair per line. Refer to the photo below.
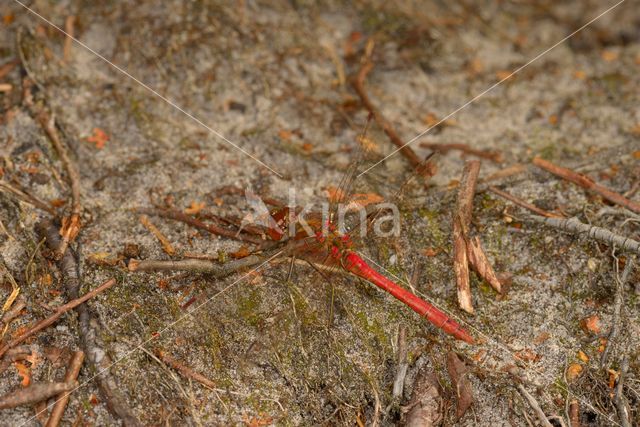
[272,77]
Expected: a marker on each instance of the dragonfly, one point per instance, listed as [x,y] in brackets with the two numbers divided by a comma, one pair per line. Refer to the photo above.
[320,239]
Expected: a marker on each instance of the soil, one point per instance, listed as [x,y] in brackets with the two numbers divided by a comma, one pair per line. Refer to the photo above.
[273,78]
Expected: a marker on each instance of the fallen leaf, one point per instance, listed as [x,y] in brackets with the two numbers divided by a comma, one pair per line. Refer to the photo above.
[573,371]
[613,377]
[610,55]
[195,208]
[430,252]
[99,138]
[528,355]
[24,372]
[240,253]
[580,75]
[582,356]
[461,384]
[591,324]
[285,135]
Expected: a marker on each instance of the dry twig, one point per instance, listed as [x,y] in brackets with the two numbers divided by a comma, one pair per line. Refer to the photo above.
[574,414]
[574,226]
[211,228]
[480,263]
[55,316]
[166,244]
[494,156]
[617,308]
[461,223]
[184,370]
[357,82]
[196,265]
[588,184]
[621,403]
[522,203]
[35,393]
[403,365]
[70,377]
[90,338]
[26,197]
[535,406]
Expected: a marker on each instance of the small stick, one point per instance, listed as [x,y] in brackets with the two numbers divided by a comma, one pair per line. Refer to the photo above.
[166,244]
[617,308]
[55,316]
[574,414]
[512,170]
[621,403]
[184,370]
[588,184]
[403,365]
[461,223]
[68,41]
[574,226]
[70,377]
[534,405]
[211,228]
[358,85]
[480,263]
[35,393]
[196,265]
[522,203]
[26,197]
[494,156]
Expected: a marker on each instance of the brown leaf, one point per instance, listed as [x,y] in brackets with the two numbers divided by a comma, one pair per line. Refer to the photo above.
[24,372]
[464,393]
[195,208]
[573,371]
[424,408]
[591,324]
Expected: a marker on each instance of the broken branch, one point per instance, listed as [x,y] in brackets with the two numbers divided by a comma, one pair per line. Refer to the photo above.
[69,378]
[184,370]
[588,184]
[461,223]
[211,228]
[35,393]
[535,406]
[522,203]
[358,85]
[574,226]
[55,316]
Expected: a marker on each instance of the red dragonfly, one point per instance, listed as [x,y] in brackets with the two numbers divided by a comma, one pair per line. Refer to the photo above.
[319,240]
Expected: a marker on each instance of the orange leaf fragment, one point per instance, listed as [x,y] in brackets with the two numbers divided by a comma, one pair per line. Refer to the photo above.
[285,135]
[241,253]
[430,252]
[582,356]
[573,371]
[528,355]
[591,324]
[610,55]
[195,208]
[25,372]
[541,338]
[99,138]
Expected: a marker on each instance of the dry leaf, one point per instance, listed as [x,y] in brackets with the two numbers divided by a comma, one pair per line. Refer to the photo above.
[461,384]
[285,135]
[24,372]
[430,252]
[573,371]
[241,253]
[99,138]
[195,208]
[528,355]
[582,356]
[613,377]
[591,324]
[610,55]
[541,338]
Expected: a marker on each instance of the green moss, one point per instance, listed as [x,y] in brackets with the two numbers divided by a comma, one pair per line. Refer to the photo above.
[248,305]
